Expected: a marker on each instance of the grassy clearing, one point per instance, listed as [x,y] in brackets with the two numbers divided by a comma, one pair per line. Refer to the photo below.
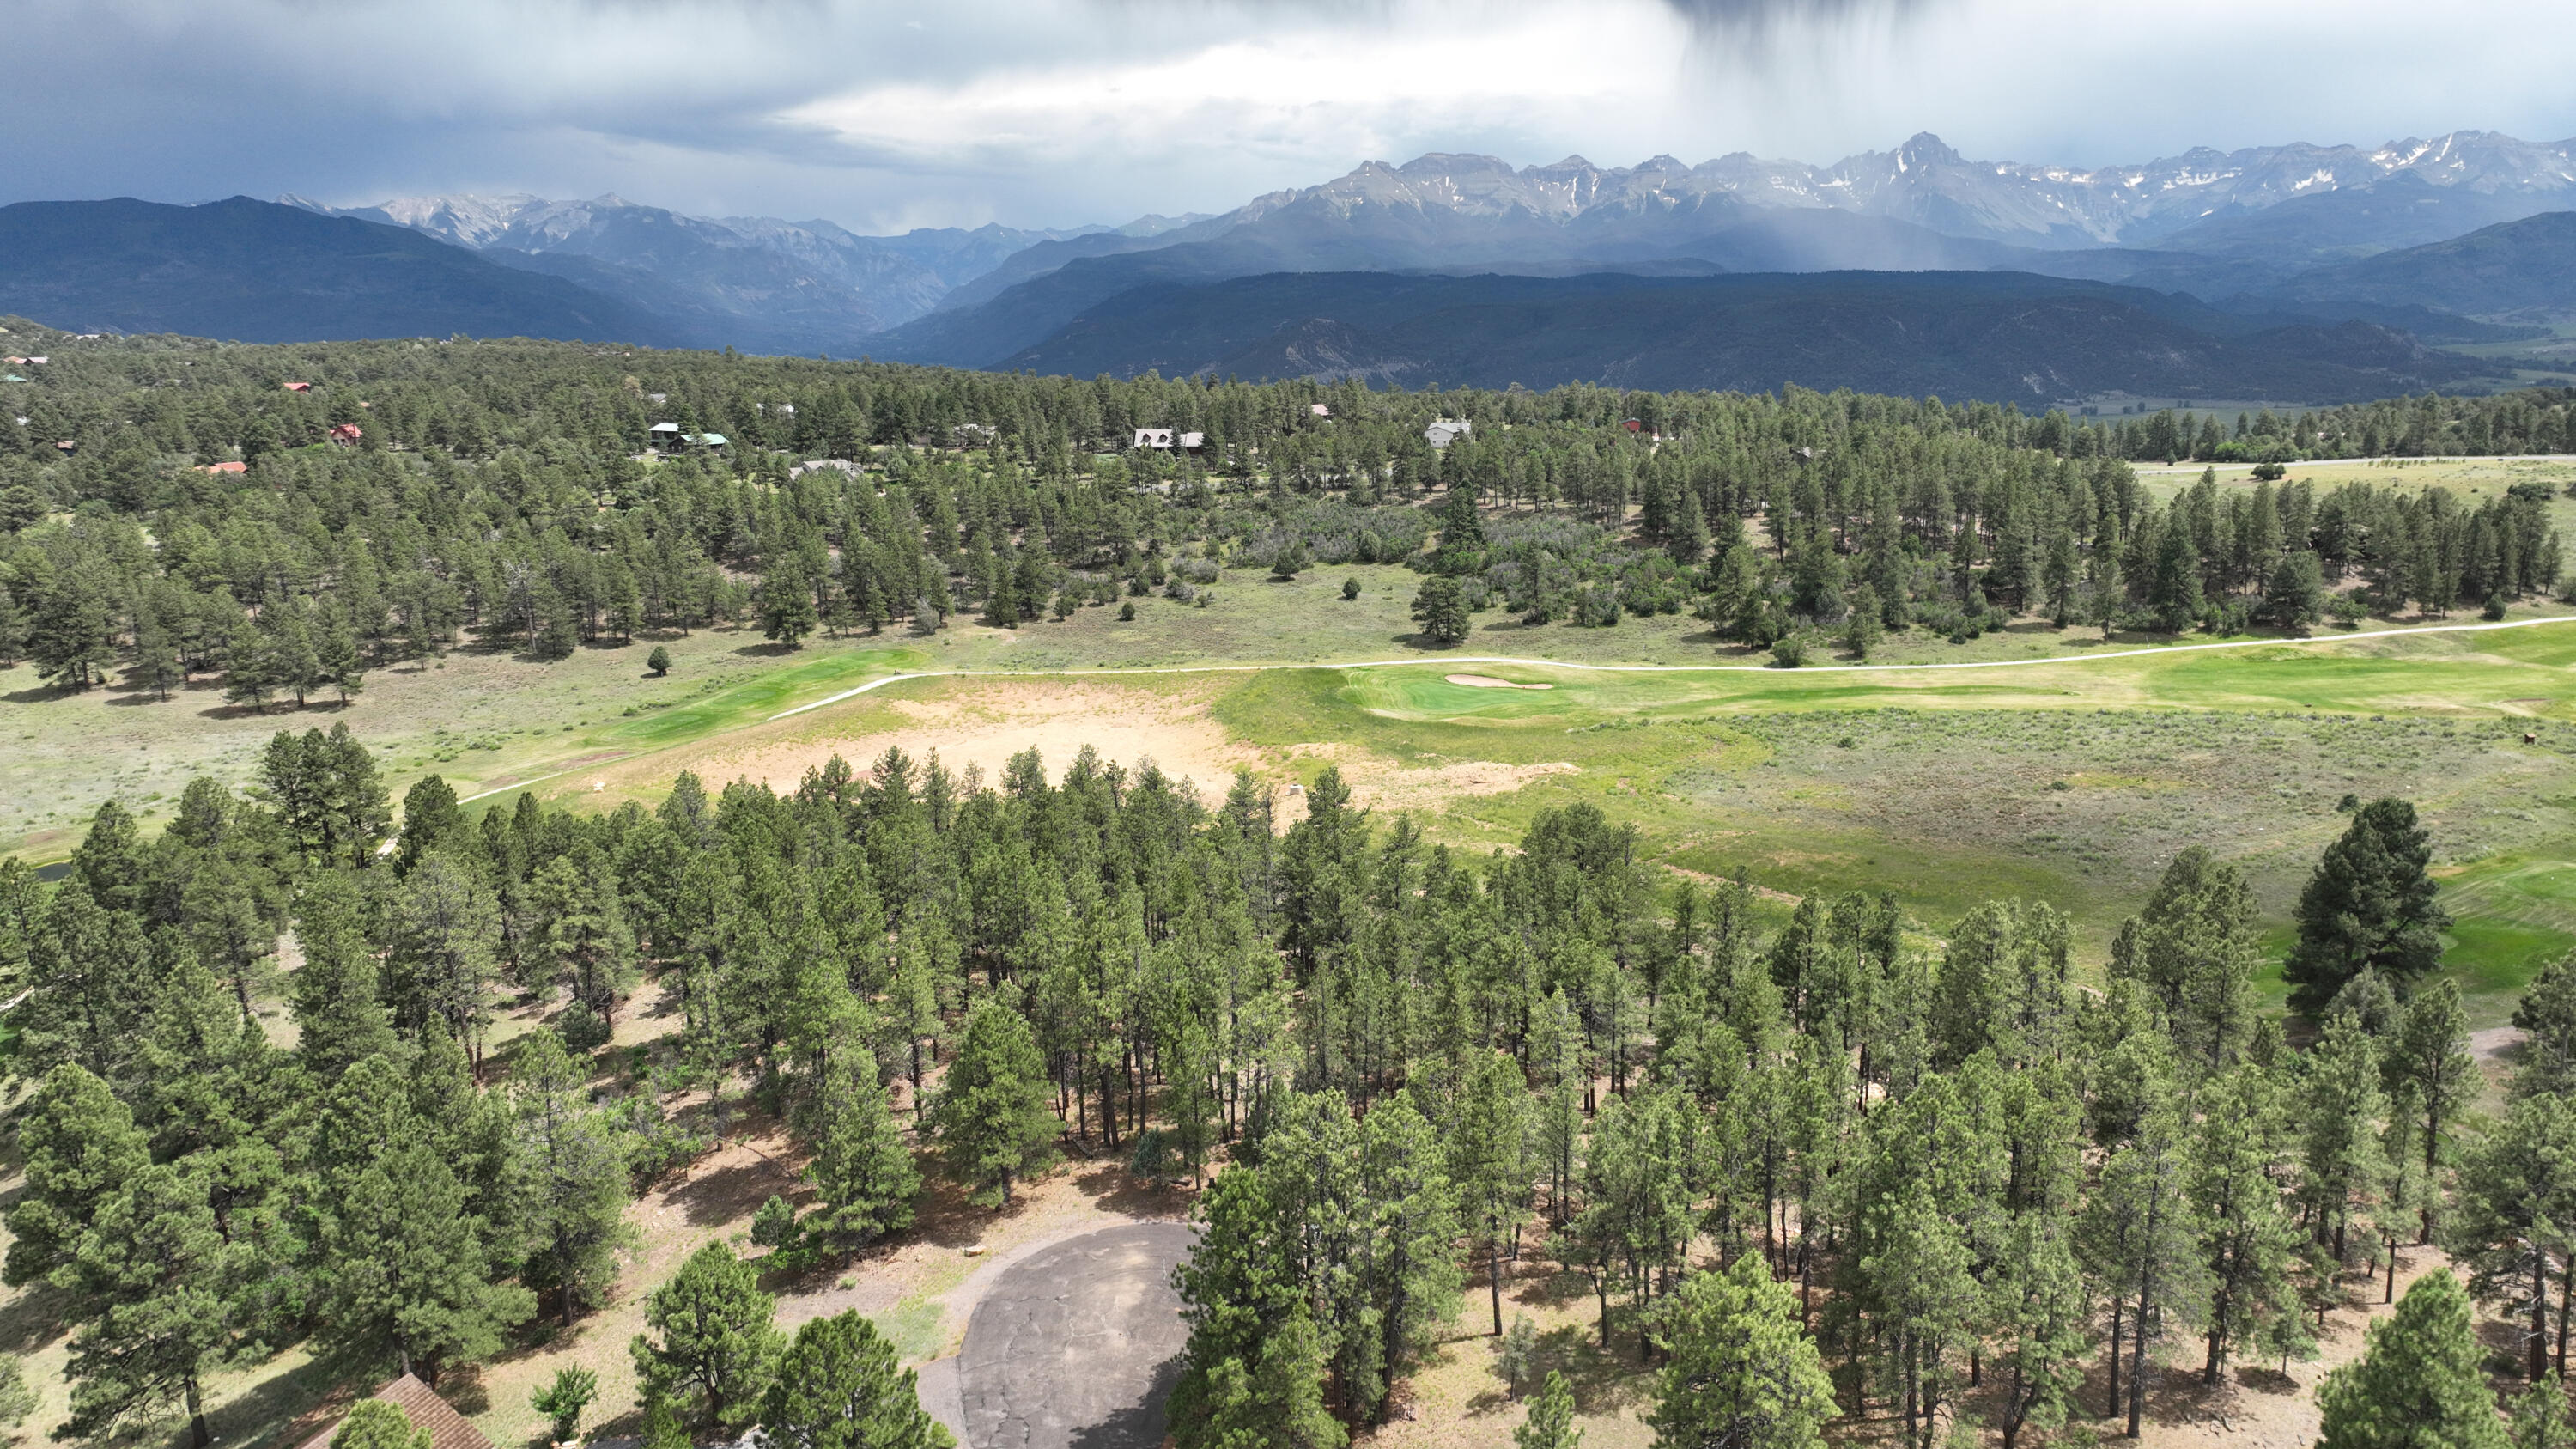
[2070,782]
[489,720]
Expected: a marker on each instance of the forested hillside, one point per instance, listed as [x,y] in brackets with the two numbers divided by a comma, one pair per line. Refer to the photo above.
[292,516]
[1811,1166]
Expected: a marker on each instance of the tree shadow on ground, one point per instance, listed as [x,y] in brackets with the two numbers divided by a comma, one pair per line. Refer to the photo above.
[1139,1425]
[945,1214]
[1120,1191]
[731,1191]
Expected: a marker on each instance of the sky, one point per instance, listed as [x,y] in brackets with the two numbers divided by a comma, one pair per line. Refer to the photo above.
[1037,113]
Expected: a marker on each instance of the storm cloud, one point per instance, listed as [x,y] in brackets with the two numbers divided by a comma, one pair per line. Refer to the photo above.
[1055,112]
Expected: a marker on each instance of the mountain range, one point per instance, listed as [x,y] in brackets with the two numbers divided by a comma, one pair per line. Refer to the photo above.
[758,284]
[1449,266]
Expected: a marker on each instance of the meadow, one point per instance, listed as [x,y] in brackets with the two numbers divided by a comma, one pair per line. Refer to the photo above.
[2067,780]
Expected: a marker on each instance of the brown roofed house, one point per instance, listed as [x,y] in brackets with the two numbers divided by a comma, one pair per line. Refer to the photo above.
[447,1428]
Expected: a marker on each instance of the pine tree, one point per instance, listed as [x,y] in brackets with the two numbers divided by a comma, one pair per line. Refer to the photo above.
[992,1116]
[430,815]
[862,1169]
[572,1175]
[1740,1371]
[162,1282]
[2511,1219]
[582,938]
[337,1017]
[2539,1417]
[2039,1307]
[2418,1384]
[718,1353]
[406,1267]
[1489,1159]
[1550,1424]
[1440,606]
[787,612]
[2369,904]
[2143,1241]
[80,1147]
[2245,1242]
[2428,1066]
[2547,1016]
[838,1386]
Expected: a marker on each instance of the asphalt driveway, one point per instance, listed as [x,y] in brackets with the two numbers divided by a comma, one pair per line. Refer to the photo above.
[1076,1346]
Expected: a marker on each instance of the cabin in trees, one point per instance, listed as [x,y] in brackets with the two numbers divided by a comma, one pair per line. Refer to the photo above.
[1444,431]
[447,1428]
[663,435]
[347,433]
[1160,438]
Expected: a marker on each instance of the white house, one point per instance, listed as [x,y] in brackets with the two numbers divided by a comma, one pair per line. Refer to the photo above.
[1318,410]
[663,435]
[1153,438]
[1444,431]
[1193,441]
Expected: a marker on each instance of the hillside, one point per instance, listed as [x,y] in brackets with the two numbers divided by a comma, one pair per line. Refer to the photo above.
[260,272]
[2520,271]
[1999,336]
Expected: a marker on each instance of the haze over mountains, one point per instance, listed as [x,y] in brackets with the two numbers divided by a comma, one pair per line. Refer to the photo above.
[1587,272]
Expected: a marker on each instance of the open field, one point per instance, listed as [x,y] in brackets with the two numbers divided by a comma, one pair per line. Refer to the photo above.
[2069,781]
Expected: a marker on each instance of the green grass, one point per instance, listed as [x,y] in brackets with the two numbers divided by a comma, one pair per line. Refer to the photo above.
[2070,783]
[1939,784]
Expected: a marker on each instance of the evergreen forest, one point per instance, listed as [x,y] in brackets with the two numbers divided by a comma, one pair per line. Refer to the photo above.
[288,518]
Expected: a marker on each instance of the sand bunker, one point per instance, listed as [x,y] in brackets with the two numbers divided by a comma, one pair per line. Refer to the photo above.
[1487,681]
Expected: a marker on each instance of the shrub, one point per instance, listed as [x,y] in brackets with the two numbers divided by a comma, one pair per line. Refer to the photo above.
[659,661]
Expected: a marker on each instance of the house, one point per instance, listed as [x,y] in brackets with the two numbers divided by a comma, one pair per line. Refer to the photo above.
[298,386]
[973,435]
[233,467]
[662,435]
[1153,438]
[1318,410]
[37,361]
[706,440]
[347,433]
[68,445]
[1444,431]
[447,1428]
[11,377]
[1632,425]
[837,465]
[1193,441]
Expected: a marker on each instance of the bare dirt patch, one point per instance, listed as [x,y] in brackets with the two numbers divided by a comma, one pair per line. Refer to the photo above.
[981,727]
[1487,681]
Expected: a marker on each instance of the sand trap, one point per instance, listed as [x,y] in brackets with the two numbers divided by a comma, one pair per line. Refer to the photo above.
[1487,681]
